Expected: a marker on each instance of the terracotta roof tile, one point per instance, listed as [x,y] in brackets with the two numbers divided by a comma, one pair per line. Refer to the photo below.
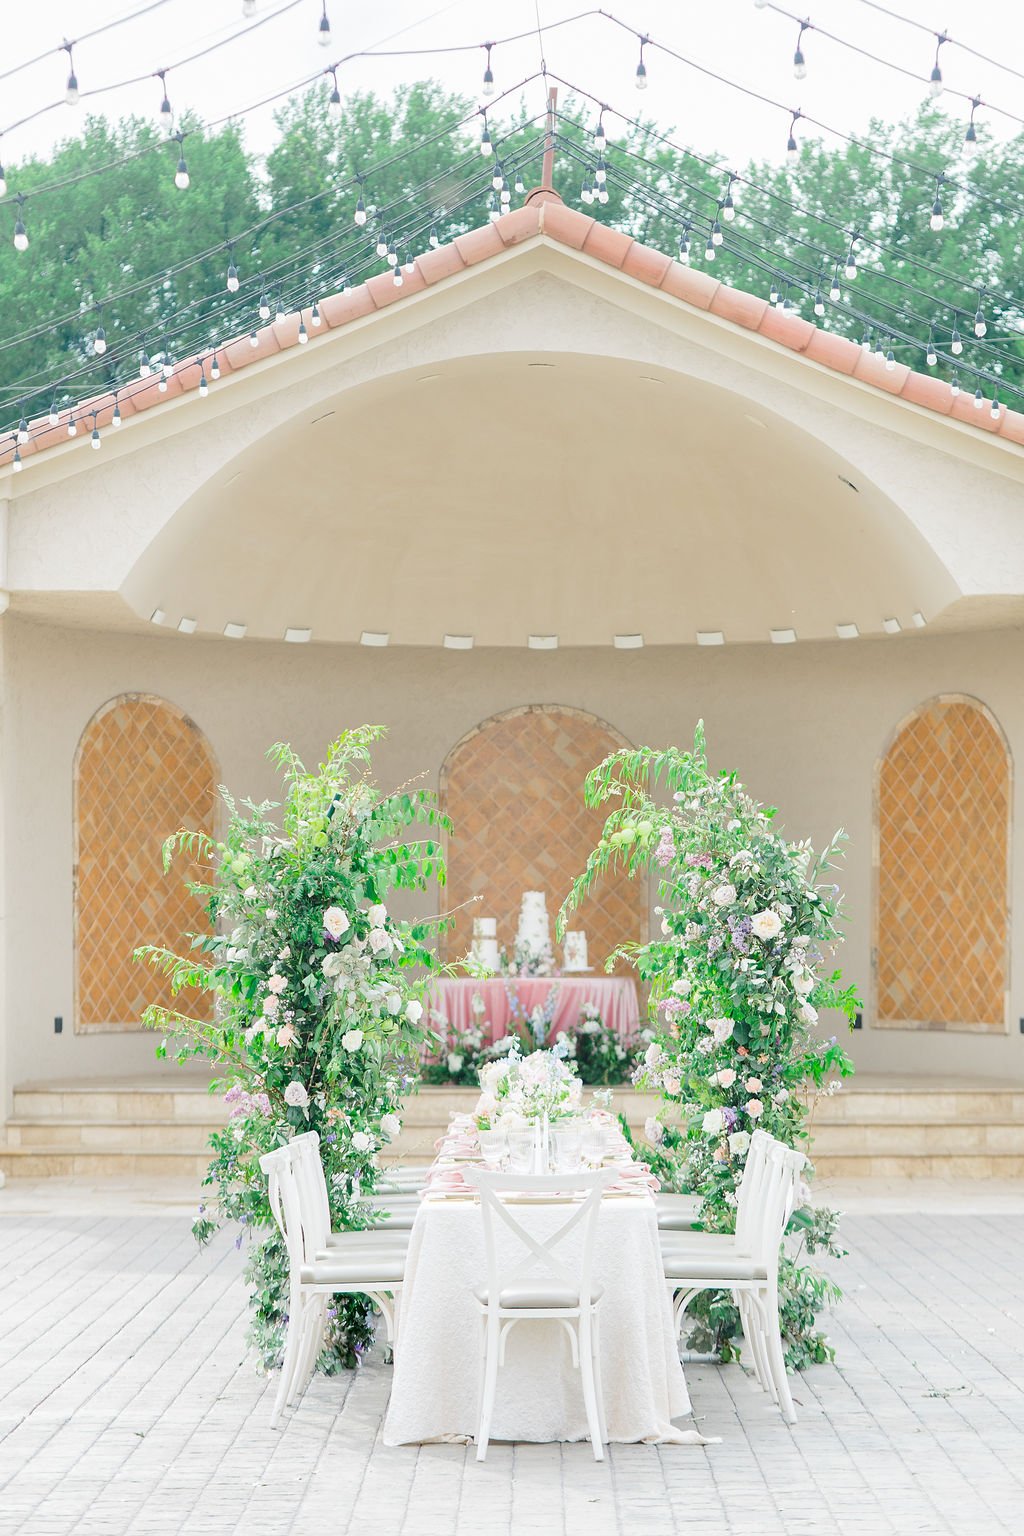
[646,265]
[546,215]
[697,288]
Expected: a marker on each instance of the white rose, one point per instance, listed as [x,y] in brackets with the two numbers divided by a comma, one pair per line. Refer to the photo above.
[803,984]
[753,1085]
[713,1123]
[755,1108]
[671,1084]
[277,983]
[362,1142]
[391,1125]
[665,927]
[682,987]
[653,1054]
[352,1039]
[766,924]
[295,1094]
[378,915]
[284,954]
[379,941]
[332,965]
[271,915]
[724,895]
[724,1078]
[414,1011]
[721,1029]
[393,1002]
[781,1096]
[270,1005]
[739,1141]
[808,1012]
[654,1131]
[486,1105]
[250,893]
[455,1063]
[336,922]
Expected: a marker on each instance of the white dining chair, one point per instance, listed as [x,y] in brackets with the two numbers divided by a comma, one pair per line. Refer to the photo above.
[539,1285]
[747,1262]
[322,1264]
[676,1213]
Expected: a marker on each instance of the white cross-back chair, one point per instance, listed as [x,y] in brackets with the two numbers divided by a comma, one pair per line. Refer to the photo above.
[322,1263]
[747,1263]
[539,1284]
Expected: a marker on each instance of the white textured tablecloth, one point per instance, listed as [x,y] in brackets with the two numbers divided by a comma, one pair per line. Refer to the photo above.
[539,1397]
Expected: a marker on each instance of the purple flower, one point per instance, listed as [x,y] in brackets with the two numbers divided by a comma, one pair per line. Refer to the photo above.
[740,929]
[714,945]
[730,1116]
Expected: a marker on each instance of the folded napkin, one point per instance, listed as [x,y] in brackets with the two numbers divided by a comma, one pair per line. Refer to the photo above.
[636,1176]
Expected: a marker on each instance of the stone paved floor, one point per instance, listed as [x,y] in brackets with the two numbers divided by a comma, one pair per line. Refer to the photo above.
[127,1403]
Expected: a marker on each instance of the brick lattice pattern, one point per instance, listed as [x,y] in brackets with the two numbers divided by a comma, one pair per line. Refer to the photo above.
[143,770]
[943,849]
[514,790]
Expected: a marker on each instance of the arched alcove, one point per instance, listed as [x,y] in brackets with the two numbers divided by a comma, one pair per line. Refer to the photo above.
[942,848]
[142,770]
[513,787]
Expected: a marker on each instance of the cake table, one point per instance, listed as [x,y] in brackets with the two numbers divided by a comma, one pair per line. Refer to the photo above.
[615,998]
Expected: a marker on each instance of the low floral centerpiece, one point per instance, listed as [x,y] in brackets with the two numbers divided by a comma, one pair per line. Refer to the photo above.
[522,1090]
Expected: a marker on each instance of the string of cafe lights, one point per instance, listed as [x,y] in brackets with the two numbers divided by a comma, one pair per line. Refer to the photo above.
[226,309]
[952,42]
[934,82]
[812,280]
[878,340]
[83,37]
[297,293]
[644,41]
[853,236]
[354,184]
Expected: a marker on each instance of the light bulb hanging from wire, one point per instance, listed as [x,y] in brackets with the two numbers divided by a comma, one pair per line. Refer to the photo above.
[232,273]
[16,463]
[937,220]
[214,368]
[264,307]
[641,68]
[360,213]
[20,232]
[181,176]
[935,78]
[980,324]
[520,184]
[166,113]
[971,134]
[600,136]
[792,147]
[334,99]
[115,420]
[993,409]
[979,399]
[488,86]
[835,293]
[954,384]
[684,245]
[248,9]
[851,259]
[486,147]
[956,345]
[22,436]
[323,31]
[71,89]
[95,432]
[931,357]
[819,303]
[727,204]
[54,414]
[799,62]
[99,340]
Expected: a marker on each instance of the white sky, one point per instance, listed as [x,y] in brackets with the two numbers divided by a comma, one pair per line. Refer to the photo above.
[752,46]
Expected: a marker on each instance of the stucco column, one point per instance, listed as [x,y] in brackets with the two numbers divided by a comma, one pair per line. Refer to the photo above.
[5,602]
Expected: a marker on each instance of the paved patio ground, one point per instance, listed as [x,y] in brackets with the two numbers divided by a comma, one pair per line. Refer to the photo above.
[127,1403]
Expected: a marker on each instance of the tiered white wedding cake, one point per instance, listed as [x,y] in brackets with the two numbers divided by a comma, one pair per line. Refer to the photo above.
[533,953]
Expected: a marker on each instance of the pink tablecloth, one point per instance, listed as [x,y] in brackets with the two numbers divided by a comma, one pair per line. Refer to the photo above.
[615,998]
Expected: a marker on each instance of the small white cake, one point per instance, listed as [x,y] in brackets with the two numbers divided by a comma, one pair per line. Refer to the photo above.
[485,942]
[533,952]
[574,952]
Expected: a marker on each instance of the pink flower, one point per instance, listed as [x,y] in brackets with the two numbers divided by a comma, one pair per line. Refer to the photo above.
[285,1035]
[755,1109]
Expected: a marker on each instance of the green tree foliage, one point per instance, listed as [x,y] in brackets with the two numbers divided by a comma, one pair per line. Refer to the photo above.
[122,238]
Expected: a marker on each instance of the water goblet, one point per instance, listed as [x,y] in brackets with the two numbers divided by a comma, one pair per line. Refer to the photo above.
[520,1150]
[568,1146]
[492,1146]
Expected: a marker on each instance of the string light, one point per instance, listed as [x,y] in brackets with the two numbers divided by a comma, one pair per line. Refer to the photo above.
[486,147]
[684,245]
[72,426]
[99,341]
[324,29]
[954,384]
[716,229]
[726,204]
[248,8]
[71,90]
[392,254]
[497,176]
[994,408]
[935,79]
[936,221]
[314,314]
[980,326]
[22,434]
[264,308]
[979,399]
[16,463]
[95,433]
[709,250]
[115,420]
[600,136]
[181,176]
[215,369]
[520,185]
[54,416]
[851,259]
[890,358]
[792,147]
[303,333]
[204,387]
[254,340]
[435,239]
[971,135]
[334,99]
[819,303]
[166,113]
[409,265]
[232,277]
[20,232]
[773,294]
[280,313]
[488,85]
[931,357]
[799,62]
[865,340]
[956,346]
[641,68]
[835,293]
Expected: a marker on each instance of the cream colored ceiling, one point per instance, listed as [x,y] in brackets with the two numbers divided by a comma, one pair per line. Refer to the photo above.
[567,496]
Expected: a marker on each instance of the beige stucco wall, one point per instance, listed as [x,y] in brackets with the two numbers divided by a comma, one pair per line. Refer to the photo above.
[803,725]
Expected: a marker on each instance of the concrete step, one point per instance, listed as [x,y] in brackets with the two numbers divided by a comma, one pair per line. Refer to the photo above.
[130,1135]
[932,1166]
[45,1162]
[960,1137]
[939,1100]
[169,1096]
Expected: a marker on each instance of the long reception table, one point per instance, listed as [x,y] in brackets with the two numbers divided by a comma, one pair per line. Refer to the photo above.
[508,1000]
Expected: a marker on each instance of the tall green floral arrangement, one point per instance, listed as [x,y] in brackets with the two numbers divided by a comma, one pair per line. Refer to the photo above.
[739,976]
[317,1012]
